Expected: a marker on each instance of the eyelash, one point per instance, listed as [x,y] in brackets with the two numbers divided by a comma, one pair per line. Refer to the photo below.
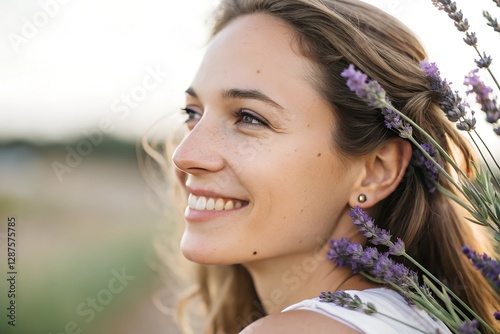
[240,114]
[191,114]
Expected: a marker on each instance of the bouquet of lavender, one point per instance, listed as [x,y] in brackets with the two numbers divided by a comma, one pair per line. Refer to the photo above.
[482,195]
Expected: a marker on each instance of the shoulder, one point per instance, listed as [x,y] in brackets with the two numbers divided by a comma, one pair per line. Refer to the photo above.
[297,322]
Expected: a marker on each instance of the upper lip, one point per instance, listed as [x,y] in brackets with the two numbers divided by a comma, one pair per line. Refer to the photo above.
[208,193]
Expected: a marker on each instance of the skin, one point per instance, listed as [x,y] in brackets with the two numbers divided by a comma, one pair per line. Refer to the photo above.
[279,160]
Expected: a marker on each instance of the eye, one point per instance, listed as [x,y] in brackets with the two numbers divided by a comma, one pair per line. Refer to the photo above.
[192,115]
[247,117]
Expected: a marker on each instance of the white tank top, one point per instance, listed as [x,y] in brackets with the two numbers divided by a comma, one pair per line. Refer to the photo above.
[387,302]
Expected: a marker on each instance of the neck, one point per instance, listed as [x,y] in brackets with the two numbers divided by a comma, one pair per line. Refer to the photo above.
[286,281]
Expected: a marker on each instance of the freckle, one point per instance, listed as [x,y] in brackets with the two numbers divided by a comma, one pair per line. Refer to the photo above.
[254,253]
[319,154]
[295,150]
[301,210]
[258,71]
[308,125]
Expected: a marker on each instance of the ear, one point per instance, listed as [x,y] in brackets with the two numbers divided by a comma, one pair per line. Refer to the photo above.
[381,173]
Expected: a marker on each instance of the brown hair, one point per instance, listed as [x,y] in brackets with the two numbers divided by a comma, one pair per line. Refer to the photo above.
[334,34]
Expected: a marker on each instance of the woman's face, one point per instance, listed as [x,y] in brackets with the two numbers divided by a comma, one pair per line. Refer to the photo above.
[263,178]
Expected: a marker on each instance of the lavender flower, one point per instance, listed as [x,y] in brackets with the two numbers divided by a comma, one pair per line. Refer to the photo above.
[488,105]
[451,102]
[431,173]
[470,39]
[367,90]
[343,299]
[456,15]
[368,228]
[487,266]
[484,62]
[496,315]
[492,22]
[468,327]
[374,95]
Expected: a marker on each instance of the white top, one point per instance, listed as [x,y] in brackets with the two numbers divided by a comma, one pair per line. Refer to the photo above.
[387,302]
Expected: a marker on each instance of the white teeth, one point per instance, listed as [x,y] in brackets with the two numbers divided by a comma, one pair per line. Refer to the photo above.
[201,203]
[204,203]
[229,205]
[210,204]
[219,204]
[192,201]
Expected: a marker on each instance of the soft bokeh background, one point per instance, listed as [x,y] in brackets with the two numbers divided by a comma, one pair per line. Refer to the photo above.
[80,82]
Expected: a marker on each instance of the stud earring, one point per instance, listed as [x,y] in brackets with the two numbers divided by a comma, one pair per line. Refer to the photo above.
[362,198]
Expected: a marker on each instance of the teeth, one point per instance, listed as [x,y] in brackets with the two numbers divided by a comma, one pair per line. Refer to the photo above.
[229,205]
[201,203]
[204,203]
[219,204]
[210,204]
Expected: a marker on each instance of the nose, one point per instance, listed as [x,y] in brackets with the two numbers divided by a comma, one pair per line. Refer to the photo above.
[200,150]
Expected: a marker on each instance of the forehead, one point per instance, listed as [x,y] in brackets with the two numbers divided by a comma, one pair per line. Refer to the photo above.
[256,46]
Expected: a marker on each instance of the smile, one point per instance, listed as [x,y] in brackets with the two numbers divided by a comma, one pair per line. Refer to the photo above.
[217,204]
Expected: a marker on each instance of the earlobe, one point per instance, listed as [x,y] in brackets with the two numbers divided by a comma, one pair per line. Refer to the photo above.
[382,172]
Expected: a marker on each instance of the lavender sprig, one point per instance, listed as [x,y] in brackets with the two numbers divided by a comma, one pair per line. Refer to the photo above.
[468,327]
[374,95]
[462,25]
[382,268]
[431,173]
[492,22]
[489,267]
[353,302]
[488,104]
[451,102]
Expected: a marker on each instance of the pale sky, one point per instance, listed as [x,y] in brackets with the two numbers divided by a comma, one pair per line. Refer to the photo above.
[67,66]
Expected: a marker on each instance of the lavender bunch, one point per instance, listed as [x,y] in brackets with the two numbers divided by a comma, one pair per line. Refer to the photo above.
[489,267]
[482,198]
[382,268]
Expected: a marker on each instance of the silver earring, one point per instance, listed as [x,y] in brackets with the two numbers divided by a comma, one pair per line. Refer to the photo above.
[362,198]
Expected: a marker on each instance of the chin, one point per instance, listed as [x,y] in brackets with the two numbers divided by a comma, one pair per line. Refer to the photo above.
[201,252]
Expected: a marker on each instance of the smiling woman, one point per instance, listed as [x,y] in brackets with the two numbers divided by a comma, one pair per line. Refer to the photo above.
[278,151]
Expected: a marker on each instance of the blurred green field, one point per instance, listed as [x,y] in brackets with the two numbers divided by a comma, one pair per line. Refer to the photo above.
[84,246]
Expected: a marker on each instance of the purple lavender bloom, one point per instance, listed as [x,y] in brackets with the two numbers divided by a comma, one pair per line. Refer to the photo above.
[374,95]
[456,15]
[398,248]
[488,105]
[368,90]
[492,22]
[430,171]
[342,298]
[451,102]
[468,327]
[489,267]
[470,38]
[338,253]
[368,228]
[484,62]
[496,315]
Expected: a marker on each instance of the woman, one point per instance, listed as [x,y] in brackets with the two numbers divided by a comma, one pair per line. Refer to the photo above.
[279,150]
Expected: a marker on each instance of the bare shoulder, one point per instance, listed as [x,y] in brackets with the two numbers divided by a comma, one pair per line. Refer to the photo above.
[298,322]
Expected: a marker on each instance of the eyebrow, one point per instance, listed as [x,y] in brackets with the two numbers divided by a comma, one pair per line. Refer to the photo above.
[250,94]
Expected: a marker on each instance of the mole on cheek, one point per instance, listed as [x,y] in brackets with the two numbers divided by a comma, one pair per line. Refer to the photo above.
[254,253]
[318,155]
[258,71]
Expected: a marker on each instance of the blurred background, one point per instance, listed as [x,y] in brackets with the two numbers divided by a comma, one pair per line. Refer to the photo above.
[80,83]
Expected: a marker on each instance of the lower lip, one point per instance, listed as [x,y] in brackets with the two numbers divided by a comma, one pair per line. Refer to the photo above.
[202,216]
